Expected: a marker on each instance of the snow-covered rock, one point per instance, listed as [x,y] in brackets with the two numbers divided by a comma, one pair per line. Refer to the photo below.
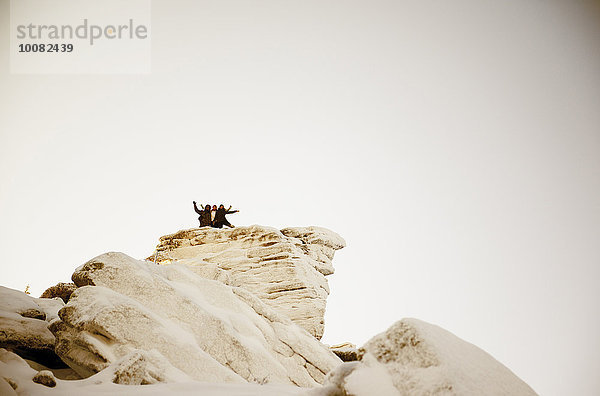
[24,325]
[365,378]
[202,327]
[286,269]
[18,378]
[224,312]
[46,378]
[418,358]
[141,367]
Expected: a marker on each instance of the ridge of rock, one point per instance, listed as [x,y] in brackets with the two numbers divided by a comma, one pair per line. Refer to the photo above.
[286,268]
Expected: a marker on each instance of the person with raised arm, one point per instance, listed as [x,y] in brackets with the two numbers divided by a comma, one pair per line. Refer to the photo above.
[205,217]
[220,219]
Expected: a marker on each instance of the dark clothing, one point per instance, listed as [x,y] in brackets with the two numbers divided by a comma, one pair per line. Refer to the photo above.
[221,220]
[204,217]
[221,223]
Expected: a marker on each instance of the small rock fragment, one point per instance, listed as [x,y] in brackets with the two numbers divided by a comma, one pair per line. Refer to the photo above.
[347,352]
[12,383]
[46,378]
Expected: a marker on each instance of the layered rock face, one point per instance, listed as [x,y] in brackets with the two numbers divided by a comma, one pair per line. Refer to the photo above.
[285,268]
[169,319]
[417,358]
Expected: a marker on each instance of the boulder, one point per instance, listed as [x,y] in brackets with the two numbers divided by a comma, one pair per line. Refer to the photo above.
[24,326]
[417,358]
[285,269]
[61,290]
[202,327]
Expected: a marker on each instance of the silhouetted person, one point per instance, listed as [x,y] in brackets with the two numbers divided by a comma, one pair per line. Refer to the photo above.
[220,219]
[205,217]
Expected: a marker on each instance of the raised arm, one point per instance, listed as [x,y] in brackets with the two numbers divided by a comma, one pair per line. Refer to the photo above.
[196,208]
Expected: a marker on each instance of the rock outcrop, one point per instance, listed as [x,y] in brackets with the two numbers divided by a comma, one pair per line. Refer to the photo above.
[224,312]
[24,325]
[61,290]
[416,358]
[285,268]
[204,328]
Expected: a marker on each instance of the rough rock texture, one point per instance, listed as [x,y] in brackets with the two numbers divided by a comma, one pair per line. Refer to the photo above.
[24,325]
[418,358]
[286,269]
[206,329]
[143,368]
[46,378]
[61,290]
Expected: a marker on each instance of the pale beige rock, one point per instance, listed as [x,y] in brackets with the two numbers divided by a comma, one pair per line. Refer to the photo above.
[24,325]
[206,329]
[143,368]
[417,358]
[286,269]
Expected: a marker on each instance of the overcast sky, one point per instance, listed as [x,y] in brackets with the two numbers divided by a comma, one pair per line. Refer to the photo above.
[455,145]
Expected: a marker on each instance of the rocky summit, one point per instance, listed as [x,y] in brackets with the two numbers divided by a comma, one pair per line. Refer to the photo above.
[285,269]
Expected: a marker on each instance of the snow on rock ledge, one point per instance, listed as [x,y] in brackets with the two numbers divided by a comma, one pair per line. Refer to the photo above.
[206,329]
[286,269]
[417,358]
[122,378]
[24,325]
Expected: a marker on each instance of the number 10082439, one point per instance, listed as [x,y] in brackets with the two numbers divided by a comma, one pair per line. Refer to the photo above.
[45,47]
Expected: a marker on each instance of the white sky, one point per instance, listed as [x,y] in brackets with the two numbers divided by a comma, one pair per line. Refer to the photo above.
[454,145]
